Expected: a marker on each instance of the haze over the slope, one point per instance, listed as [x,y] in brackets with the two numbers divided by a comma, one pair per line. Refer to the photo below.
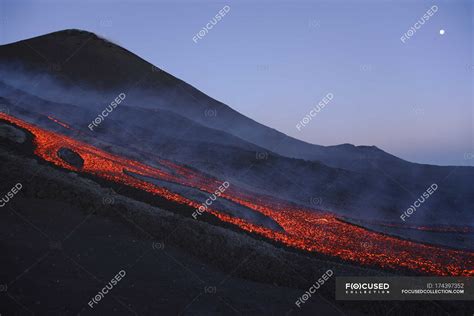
[167,116]
[274,63]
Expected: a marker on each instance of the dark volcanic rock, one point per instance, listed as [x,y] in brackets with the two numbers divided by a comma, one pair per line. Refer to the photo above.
[12,133]
[71,157]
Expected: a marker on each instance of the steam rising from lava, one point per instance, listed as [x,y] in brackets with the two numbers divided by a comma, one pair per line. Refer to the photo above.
[303,229]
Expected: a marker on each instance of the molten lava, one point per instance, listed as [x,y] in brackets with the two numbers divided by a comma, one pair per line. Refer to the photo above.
[65,125]
[435,228]
[57,121]
[304,229]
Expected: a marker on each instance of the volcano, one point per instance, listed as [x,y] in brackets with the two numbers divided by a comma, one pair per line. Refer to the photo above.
[77,74]
[163,153]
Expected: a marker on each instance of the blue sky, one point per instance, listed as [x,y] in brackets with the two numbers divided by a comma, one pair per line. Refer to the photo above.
[275,60]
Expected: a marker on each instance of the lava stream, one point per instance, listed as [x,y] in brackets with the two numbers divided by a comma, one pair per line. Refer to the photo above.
[304,229]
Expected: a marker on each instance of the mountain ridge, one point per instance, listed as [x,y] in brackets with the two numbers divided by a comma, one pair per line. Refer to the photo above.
[295,148]
[361,181]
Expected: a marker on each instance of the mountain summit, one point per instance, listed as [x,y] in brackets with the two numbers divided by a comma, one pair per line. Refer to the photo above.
[82,58]
[166,115]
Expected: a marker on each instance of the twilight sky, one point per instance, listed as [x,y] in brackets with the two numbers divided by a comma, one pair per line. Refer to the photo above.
[275,60]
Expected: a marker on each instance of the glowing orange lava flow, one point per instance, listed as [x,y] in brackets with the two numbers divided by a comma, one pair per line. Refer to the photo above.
[60,123]
[435,228]
[304,229]
[55,120]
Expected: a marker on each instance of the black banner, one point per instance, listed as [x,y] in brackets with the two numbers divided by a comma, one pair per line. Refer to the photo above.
[404,288]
